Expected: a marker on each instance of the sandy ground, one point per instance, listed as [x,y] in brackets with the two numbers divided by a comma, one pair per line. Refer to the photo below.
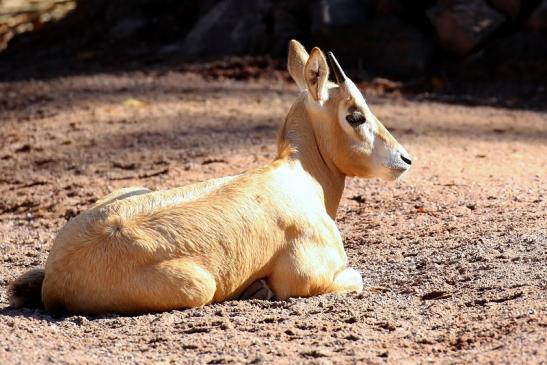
[453,256]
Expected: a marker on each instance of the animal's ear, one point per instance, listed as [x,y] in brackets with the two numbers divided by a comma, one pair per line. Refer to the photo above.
[295,63]
[316,74]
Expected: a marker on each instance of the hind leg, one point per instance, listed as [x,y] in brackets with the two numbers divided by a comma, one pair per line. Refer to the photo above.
[174,284]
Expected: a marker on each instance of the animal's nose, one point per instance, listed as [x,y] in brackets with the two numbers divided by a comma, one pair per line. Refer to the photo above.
[406,159]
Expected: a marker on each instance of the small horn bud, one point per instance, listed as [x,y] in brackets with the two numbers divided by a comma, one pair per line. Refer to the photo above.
[335,66]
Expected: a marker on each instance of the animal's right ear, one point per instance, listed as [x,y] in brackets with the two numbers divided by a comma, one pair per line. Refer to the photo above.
[296,61]
[316,75]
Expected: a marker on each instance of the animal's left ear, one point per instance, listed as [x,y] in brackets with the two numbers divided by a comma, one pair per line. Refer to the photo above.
[316,74]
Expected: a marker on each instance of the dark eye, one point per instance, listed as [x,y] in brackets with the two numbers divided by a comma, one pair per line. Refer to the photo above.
[356,118]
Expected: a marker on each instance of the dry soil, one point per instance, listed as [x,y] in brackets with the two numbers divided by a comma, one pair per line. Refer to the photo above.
[453,256]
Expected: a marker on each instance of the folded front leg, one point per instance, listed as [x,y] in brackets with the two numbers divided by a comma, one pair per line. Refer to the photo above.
[347,281]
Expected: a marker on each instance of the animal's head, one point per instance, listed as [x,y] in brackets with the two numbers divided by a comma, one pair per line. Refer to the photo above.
[354,139]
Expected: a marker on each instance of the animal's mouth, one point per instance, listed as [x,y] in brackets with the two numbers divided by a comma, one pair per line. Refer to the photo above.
[395,172]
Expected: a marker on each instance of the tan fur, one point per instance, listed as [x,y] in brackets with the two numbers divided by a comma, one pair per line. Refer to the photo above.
[297,59]
[141,251]
[316,73]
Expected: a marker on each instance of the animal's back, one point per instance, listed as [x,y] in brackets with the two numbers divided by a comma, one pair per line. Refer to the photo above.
[146,252]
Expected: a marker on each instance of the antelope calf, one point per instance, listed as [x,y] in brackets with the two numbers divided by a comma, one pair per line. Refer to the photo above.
[138,250]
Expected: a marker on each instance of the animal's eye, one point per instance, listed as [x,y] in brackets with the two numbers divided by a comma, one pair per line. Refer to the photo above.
[356,118]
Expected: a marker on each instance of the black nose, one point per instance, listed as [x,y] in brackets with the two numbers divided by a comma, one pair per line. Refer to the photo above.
[406,159]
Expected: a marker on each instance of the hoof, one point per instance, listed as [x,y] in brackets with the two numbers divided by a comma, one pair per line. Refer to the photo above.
[258,290]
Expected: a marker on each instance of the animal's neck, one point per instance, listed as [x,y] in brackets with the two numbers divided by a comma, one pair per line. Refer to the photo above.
[298,142]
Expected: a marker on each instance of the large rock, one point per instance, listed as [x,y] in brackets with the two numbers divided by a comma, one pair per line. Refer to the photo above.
[538,19]
[520,57]
[369,36]
[392,48]
[127,27]
[385,46]
[232,27]
[388,7]
[290,19]
[329,14]
[461,25]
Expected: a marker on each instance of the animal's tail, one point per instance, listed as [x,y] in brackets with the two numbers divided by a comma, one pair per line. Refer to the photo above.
[26,290]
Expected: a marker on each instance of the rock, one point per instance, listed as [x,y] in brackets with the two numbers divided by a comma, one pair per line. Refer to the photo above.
[383,45]
[24,148]
[510,8]
[462,25]
[78,320]
[286,26]
[521,57]
[435,294]
[538,19]
[70,213]
[315,353]
[387,7]
[328,14]
[127,27]
[232,27]
[205,5]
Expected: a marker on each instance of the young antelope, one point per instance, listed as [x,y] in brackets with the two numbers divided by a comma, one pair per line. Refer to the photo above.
[139,251]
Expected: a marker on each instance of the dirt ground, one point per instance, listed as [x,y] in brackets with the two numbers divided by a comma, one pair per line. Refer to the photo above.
[453,256]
